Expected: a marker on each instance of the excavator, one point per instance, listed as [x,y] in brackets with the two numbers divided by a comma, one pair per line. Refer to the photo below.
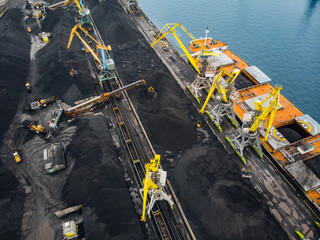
[170,28]
[153,185]
[249,134]
[225,93]
[100,55]
[97,102]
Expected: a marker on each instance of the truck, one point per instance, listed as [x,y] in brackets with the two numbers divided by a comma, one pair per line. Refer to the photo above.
[17,157]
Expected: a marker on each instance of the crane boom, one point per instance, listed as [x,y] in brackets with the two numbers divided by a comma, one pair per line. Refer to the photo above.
[98,101]
[217,84]
[191,59]
[99,47]
[171,29]
[74,31]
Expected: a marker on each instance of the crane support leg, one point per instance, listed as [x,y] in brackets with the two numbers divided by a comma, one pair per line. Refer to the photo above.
[220,110]
[198,84]
[246,139]
[157,195]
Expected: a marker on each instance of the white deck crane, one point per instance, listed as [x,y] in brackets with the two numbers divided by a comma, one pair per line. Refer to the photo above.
[249,134]
[153,185]
[223,93]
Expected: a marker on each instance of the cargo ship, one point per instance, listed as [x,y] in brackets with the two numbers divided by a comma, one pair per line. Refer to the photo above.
[294,136]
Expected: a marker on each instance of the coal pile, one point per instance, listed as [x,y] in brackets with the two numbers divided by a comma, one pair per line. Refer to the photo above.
[54,63]
[218,204]
[93,176]
[97,182]
[14,62]
[293,132]
[207,181]
[11,205]
[242,82]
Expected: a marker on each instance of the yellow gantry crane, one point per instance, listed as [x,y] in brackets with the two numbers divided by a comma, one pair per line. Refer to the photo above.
[153,185]
[223,91]
[249,134]
[170,28]
[262,112]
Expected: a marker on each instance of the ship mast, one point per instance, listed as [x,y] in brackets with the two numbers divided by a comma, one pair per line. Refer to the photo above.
[207,31]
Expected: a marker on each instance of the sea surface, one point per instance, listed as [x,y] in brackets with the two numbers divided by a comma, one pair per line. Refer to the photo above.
[282,38]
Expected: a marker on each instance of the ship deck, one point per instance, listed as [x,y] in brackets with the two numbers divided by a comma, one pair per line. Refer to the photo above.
[285,153]
[208,43]
[238,62]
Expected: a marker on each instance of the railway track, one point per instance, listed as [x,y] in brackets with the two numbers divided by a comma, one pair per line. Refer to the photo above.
[162,216]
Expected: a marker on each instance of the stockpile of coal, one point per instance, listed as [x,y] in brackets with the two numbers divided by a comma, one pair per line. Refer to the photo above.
[54,62]
[97,182]
[207,180]
[11,205]
[14,62]
[93,176]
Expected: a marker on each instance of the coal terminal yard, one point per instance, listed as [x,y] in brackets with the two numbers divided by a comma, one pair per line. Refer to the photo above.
[97,159]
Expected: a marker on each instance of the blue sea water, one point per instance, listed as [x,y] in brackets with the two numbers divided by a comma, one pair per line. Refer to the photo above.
[281,37]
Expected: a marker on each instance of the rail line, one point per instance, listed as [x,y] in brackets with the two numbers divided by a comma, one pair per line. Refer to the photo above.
[167,228]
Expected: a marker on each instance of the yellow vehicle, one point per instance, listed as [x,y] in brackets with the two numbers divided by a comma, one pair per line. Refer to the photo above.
[17,157]
[28,87]
[40,104]
[37,128]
